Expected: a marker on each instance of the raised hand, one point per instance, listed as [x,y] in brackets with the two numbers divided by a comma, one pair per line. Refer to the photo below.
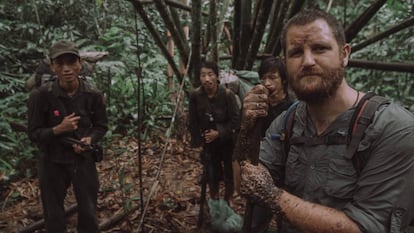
[68,124]
[255,105]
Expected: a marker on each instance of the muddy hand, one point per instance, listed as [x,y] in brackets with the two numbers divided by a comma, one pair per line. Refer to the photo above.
[255,105]
[257,185]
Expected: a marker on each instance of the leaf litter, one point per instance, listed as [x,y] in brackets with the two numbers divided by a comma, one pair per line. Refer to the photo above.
[173,206]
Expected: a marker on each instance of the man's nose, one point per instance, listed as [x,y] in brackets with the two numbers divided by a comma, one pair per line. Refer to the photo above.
[66,67]
[210,78]
[308,58]
[266,82]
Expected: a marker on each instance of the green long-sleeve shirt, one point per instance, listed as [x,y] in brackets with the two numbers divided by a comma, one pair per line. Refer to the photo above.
[380,198]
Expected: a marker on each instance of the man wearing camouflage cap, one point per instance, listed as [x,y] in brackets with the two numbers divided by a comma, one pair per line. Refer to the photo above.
[68,107]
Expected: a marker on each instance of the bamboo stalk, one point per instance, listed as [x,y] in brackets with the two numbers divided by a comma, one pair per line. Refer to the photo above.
[406,23]
[175,4]
[272,28]
[212,25]
[352,30]
[388,66]
[140,9]
[236,33]
[274,40]
[294,8]
[261,22]
[220,23]
[245,36]
[179,25]
[195,42]
[174,29]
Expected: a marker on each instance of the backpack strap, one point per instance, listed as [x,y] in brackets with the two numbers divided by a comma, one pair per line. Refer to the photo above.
[286,127]
[287,124]
[362,117]
[360,120]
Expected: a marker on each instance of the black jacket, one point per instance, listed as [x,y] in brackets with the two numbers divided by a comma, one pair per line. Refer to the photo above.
[49,104]
[222,109]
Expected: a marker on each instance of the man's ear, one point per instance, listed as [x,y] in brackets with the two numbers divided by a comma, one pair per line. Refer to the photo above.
[346,52]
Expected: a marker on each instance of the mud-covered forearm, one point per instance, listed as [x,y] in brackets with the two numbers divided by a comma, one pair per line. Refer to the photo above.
[311,217]
[248,144]
[255,107]
[258,186]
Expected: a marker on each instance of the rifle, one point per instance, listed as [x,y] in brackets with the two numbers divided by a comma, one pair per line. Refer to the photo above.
[205,157]
[204,180]
[247,148]
[95,149]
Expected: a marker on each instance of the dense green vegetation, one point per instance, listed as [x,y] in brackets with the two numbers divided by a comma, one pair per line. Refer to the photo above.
[27,29]
[31,27]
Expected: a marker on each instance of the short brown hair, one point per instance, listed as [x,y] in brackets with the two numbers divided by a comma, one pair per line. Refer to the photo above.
[309,15]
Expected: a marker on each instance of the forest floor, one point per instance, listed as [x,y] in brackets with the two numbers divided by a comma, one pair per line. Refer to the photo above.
[173,204]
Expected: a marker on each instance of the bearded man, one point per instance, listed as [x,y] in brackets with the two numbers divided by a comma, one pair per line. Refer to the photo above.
[314,186]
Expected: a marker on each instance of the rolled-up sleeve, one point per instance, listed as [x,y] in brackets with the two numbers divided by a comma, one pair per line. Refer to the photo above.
[384,197]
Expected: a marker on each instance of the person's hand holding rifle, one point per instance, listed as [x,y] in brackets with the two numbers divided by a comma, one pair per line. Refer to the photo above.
[246,151]
[255,106]
[84,145]
[70,124]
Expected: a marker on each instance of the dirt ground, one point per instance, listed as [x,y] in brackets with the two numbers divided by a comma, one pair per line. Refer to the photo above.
[169,180]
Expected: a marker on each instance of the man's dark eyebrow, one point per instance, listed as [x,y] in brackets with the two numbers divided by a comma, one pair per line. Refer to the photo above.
[294,49]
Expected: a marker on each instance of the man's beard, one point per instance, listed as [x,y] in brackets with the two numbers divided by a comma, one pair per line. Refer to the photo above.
[329,82]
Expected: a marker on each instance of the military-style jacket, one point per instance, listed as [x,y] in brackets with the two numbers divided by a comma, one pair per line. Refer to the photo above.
[49,104]
[220,112]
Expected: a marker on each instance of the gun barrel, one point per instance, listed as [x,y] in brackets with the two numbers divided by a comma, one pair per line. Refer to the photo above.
[70,140]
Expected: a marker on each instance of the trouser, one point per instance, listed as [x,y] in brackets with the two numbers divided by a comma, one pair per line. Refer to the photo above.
[54,180]
[220,167]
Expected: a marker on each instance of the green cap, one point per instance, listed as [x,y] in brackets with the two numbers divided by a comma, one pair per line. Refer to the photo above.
[63,47]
